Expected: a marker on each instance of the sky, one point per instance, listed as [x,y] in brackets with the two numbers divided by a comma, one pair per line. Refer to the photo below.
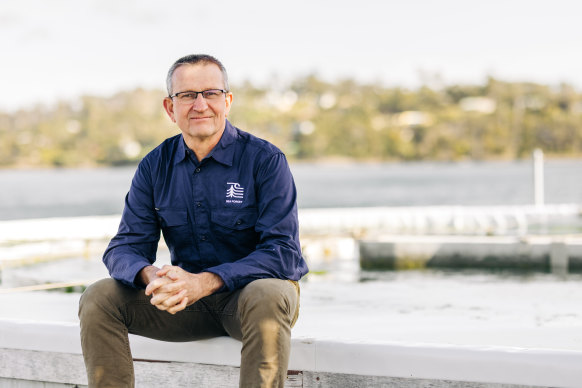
[62,49]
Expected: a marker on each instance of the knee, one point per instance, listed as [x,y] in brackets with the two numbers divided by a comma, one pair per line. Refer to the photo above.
[269,299]
[97,297]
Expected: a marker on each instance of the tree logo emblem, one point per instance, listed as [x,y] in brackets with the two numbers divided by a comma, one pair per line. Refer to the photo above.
[235,191]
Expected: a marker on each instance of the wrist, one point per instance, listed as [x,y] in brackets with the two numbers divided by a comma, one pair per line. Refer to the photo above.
[147,274]
[212,282]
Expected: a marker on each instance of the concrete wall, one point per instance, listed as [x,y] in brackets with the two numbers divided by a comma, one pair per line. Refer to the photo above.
[50,352]
[500,252]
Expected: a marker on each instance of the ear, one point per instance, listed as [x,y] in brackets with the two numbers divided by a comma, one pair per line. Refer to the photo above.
[169,107]
[228,103]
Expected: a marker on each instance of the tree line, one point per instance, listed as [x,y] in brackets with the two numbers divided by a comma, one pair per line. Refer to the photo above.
[310,118]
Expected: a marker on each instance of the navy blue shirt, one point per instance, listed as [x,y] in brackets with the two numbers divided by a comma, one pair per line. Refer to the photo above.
[233,214]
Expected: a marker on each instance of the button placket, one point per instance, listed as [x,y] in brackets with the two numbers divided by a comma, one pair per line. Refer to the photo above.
[199,207]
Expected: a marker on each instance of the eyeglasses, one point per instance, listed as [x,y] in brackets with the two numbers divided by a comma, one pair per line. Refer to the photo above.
[189,97]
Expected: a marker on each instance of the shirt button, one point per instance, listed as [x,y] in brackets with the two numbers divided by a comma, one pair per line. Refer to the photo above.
[197,169]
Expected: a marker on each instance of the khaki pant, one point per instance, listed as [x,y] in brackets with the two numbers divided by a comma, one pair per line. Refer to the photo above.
[260,315]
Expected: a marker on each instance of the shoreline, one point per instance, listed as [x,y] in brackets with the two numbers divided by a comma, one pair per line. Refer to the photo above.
[324,161]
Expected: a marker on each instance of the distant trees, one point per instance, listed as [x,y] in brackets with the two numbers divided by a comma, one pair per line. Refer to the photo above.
[311,119]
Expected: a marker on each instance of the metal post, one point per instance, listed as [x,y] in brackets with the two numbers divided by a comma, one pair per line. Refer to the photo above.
[559,258]
[538,165]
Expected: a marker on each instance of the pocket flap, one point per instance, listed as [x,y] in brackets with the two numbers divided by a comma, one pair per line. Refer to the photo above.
[235,219]
[173,217]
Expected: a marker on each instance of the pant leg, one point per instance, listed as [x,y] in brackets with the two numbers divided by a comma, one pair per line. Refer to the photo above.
[109,310]
[266,311]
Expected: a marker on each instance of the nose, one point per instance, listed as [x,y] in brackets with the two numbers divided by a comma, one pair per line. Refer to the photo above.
[199,103]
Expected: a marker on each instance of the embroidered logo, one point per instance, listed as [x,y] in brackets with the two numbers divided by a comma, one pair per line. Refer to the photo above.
[234,193]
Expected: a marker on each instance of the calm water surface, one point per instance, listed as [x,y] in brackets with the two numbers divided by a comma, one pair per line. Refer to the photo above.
[84,192]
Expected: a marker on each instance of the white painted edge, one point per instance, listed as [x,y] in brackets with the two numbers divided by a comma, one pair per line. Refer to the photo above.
[504,365]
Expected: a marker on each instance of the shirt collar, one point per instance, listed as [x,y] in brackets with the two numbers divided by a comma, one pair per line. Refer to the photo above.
[222,152]
[180,154]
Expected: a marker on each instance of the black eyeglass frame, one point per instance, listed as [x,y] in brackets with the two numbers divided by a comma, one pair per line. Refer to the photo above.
[197,93]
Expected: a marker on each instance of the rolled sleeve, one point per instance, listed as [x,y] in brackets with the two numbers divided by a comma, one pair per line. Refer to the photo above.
[135,244]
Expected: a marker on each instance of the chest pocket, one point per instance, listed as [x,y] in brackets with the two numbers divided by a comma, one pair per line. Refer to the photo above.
[234,229]
[175,226]
[172,217]
[234,219]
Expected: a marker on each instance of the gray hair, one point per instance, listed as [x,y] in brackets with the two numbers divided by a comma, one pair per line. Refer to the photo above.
[192,60]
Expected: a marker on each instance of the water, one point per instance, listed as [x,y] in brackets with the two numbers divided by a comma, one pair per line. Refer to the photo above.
[63,192]
[85,192]
[428,183]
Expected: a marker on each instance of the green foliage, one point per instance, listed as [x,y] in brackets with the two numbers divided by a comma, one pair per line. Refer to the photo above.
[310,119]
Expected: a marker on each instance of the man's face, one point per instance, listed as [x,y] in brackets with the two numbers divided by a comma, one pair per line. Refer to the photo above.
[203,120]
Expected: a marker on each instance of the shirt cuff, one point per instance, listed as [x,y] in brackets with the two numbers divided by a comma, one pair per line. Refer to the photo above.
[129,275]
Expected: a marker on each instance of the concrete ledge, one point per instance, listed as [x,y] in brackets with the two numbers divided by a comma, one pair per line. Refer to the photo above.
[543,253]
[50,352]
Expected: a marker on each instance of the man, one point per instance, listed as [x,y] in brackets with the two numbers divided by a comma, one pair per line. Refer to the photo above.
[226,204]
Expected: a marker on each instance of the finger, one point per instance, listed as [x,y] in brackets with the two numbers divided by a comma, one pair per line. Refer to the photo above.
[175,273]
[159,298]
[163,271]
[154,285]
[179,307]
[171,287]
[175,299]
[157,285]
[168,294]
[158,301]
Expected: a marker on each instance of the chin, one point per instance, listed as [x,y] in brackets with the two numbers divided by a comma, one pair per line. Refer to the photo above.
[202,132]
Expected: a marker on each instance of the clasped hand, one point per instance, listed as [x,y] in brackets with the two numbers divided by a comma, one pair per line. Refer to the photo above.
[173,289]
